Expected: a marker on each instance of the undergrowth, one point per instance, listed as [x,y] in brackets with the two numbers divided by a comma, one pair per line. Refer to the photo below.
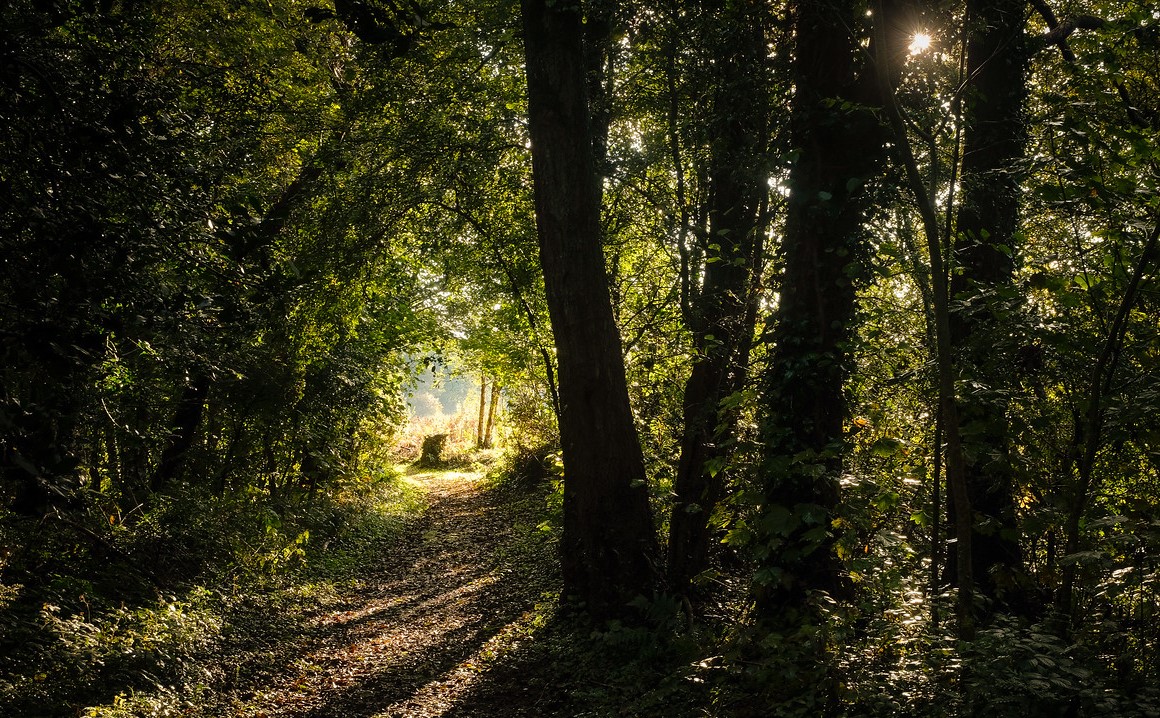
[888,661]
[129,632]
[139,623]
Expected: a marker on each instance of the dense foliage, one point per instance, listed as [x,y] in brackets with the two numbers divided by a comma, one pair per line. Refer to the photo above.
[884,277]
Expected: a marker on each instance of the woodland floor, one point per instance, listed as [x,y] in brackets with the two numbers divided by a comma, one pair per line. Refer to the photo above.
[434,627]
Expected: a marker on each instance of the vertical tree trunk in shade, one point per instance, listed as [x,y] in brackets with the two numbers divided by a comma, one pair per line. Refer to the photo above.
[608,544]
[721,324]
[839,145]
[984,246]
[190,409]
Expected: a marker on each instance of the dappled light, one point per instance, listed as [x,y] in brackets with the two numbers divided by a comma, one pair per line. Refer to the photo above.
[422,624]
[573,358]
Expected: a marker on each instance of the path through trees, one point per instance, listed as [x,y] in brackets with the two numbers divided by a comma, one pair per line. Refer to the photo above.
[416,634]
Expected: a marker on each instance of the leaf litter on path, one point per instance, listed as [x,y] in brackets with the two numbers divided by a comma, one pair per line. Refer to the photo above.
[415,635]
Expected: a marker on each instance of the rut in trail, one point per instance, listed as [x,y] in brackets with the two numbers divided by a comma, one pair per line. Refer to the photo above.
[418,635]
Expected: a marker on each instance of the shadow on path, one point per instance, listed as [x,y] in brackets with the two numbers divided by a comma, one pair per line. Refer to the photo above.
[411,640]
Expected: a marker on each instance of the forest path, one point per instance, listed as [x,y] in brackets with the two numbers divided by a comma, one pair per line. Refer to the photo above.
[416,635]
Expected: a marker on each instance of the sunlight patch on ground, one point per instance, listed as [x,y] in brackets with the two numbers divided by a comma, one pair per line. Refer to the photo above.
[422,628]
[418,627]
[422,475]
[412,602]
[438,697]
[417,476]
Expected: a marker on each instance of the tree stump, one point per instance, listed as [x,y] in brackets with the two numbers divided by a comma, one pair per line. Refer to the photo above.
[432,456]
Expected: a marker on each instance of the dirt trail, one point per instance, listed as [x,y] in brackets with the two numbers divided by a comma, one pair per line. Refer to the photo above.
[416,637]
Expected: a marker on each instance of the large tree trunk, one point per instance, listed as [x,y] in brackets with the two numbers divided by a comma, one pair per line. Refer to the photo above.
[984,246]
[608,544]
[840,148]
[721,324]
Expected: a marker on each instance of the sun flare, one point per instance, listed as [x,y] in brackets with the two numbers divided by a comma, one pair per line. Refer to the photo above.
[919,43]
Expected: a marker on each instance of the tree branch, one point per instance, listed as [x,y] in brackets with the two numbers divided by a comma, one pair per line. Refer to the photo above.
[1058,32]
[1058,35]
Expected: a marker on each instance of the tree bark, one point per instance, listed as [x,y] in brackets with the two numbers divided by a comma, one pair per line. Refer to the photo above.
[839,146]
[492,404]
[721,324]
[985,244]
[482,405]
[608,544]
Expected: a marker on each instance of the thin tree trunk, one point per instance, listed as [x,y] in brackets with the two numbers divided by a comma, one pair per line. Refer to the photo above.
[534,326]
[608,546]
[113,457]
[1089,431]
[227,466]
[190,409]
[936,537]
[948,406]
[482,406]
[491,407]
